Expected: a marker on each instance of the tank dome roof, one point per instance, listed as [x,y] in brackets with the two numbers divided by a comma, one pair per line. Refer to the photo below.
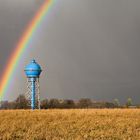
[33,69]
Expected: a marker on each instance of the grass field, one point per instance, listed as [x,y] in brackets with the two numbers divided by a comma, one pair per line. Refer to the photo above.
[88,124]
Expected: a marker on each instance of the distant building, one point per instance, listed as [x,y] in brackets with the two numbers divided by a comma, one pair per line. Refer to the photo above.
[132,106]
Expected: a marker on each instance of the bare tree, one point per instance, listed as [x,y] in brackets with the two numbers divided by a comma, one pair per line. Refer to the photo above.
[129,102]
[84,103]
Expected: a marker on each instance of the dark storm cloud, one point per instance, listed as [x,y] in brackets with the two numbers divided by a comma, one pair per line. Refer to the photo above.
[86,48]
[14,16]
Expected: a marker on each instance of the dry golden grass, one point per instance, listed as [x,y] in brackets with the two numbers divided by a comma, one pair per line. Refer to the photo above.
[88,124]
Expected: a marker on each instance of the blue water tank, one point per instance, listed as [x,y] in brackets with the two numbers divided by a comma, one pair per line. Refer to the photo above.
[33,69]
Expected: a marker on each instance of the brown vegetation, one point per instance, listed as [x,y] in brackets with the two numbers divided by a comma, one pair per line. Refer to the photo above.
[72,124]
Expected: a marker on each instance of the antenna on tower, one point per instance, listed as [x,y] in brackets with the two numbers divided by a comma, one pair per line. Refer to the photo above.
[33,71]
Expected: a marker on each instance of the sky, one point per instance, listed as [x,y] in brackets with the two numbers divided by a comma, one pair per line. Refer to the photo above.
[87,49]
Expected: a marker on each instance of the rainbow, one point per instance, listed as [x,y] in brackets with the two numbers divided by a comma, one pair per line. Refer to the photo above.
[22,45]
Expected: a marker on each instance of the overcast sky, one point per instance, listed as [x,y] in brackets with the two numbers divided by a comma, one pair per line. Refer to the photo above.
[87,48]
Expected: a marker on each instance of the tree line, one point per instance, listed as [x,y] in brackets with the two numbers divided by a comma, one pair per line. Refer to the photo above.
[22,103]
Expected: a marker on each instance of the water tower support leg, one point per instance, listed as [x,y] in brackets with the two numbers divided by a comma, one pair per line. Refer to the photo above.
[33,93]
[38,94]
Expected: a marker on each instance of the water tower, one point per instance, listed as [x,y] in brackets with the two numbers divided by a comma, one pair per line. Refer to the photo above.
[33,71]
